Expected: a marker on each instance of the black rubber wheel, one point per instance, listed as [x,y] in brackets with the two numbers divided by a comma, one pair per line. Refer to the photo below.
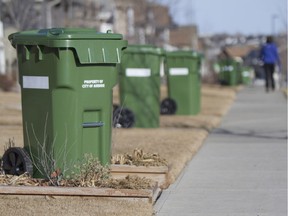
[123,118]
[168,107]
[223,82]
[16,161]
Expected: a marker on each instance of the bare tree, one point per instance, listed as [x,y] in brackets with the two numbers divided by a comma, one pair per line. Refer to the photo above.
[21,13]
[181,11]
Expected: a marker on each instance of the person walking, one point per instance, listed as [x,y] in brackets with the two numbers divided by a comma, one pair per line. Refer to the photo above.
[270,57]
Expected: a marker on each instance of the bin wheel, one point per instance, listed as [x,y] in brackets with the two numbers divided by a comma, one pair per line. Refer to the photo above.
[16,161]
[223,82]
[123,117]
[168,106]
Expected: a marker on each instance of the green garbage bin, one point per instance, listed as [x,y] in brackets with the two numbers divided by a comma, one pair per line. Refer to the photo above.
[228,74]
[139,83]
[184,80]
[66,77]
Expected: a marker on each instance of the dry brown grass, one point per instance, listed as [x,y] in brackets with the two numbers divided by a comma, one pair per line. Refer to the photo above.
[73,206]
[139,158]
[10,119]
[177,140]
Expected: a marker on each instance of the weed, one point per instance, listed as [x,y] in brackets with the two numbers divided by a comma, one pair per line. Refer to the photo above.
[44,158]
[89,172]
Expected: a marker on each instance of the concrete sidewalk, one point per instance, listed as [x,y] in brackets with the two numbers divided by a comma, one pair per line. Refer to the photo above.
[241,169]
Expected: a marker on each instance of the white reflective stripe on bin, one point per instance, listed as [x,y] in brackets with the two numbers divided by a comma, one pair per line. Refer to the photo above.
[35,82]
[178,71]
[138,72]
[246,74]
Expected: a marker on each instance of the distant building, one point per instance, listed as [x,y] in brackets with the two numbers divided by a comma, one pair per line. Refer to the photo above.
[237,51]
[184,37]
[142,22]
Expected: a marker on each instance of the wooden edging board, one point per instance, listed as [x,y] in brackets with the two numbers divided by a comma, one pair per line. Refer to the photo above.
[138,169]
[150,194]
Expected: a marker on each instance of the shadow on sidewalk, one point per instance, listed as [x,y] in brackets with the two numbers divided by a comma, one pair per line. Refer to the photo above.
[251,133]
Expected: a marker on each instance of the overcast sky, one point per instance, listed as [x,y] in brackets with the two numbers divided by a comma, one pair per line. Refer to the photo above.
[231,16]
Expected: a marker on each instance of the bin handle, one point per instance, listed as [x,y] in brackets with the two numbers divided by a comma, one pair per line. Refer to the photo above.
[56,31]
[92,124]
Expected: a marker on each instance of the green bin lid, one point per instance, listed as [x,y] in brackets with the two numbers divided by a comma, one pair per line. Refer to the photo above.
[83,40]
[59,37]
[145,49]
